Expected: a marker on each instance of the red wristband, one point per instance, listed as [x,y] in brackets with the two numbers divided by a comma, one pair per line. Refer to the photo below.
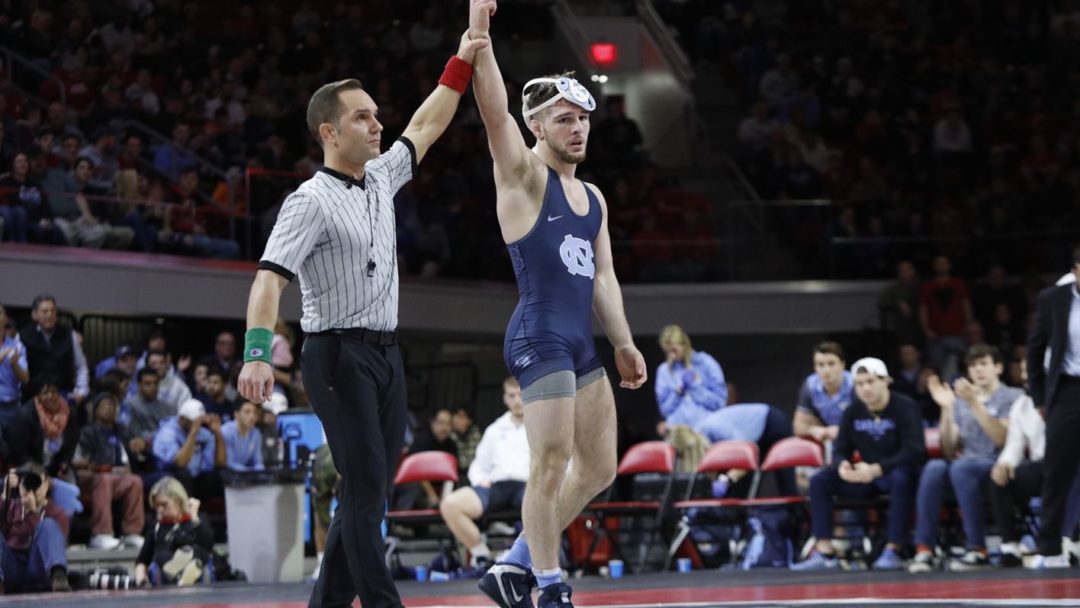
[456,75]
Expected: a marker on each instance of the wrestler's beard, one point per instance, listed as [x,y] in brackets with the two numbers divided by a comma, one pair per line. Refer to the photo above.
[563,154]
[568,157]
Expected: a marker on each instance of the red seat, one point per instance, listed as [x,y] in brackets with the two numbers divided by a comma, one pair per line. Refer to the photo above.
[721,458]
[793,452]
[432,467]
[427,466]
[648,457]
[787,454]
[736,454]
[655,457]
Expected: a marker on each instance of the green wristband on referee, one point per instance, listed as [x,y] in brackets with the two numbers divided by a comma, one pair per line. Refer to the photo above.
[257,343]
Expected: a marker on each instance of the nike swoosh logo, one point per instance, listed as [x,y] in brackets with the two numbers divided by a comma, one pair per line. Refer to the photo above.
[513,592]
[552,219]
[513,598]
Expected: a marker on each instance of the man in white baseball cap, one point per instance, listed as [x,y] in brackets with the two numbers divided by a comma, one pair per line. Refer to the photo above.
[886,429]
[192,409]
[189,446]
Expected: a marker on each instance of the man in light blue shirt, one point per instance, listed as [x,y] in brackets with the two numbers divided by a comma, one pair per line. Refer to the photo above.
[190,447]
[243,442]
[824,395]
[14,370]
[974,424]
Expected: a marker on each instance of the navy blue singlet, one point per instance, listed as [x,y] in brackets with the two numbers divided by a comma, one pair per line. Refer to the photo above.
[551,328]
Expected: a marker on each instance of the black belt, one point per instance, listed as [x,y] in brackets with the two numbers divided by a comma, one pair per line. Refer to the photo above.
[1067,378]
[369,336]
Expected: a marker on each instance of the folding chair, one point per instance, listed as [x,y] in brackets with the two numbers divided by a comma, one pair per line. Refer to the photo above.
[432,467]
[787,454]
[721,458]
[655,457]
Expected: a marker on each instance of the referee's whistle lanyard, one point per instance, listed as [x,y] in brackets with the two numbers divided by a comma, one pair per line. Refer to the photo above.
[372,220]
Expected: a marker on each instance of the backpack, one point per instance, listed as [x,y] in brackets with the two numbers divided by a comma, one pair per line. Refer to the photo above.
[770,539]
[715,535]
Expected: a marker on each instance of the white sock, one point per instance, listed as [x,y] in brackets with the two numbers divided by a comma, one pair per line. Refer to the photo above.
[546,578]
[480,550]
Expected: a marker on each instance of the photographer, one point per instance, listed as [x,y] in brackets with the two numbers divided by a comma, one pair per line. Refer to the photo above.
[32,533]
[178,544]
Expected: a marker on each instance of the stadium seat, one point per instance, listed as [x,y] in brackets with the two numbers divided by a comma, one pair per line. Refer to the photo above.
[649,457]
[433,467]
[722,457]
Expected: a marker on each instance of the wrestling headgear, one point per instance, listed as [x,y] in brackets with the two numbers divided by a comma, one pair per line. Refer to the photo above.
[568,89]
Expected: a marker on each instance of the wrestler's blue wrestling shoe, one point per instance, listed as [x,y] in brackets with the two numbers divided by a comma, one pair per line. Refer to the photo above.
[556,596]
[509,585]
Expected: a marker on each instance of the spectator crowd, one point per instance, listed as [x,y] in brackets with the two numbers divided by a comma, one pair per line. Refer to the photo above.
[914,124]
[949,126]
[227,86]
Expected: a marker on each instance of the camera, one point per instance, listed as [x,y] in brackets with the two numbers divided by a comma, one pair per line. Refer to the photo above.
[113,578]
[29,480]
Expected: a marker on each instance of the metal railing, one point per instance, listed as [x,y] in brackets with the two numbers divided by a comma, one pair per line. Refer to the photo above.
[17,63]
[673,53]
[806,231]
[205,166]
[571,30]
[102,334]
[440,385]
[14,59]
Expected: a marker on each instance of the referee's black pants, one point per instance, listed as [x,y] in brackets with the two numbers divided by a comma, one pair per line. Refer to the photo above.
[1062,460]
[358,391]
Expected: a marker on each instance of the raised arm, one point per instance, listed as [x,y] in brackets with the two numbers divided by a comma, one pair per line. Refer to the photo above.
[434,115]
[608,307]
[508,148]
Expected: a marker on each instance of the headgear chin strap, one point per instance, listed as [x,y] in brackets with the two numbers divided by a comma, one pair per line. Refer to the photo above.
[568,88]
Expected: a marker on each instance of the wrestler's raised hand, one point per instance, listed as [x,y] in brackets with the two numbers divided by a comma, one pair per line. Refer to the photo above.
[480,13]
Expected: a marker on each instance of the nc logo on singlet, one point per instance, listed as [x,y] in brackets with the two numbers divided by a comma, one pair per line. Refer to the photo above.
[577,255]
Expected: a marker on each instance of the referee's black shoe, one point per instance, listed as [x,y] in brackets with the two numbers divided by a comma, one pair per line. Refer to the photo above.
[509,585]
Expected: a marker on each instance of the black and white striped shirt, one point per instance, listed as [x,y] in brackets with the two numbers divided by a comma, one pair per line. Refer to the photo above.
[338,234]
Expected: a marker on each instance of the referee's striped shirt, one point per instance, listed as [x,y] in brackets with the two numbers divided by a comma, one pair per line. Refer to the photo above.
[329,230]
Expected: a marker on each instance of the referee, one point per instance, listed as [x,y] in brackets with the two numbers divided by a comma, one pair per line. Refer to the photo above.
[336,232]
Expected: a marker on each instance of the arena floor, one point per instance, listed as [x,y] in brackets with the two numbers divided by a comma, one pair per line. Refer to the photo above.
[662,590]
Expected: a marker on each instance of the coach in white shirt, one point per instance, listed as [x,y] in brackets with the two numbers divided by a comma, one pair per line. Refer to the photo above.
[336,232]
[497,474]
